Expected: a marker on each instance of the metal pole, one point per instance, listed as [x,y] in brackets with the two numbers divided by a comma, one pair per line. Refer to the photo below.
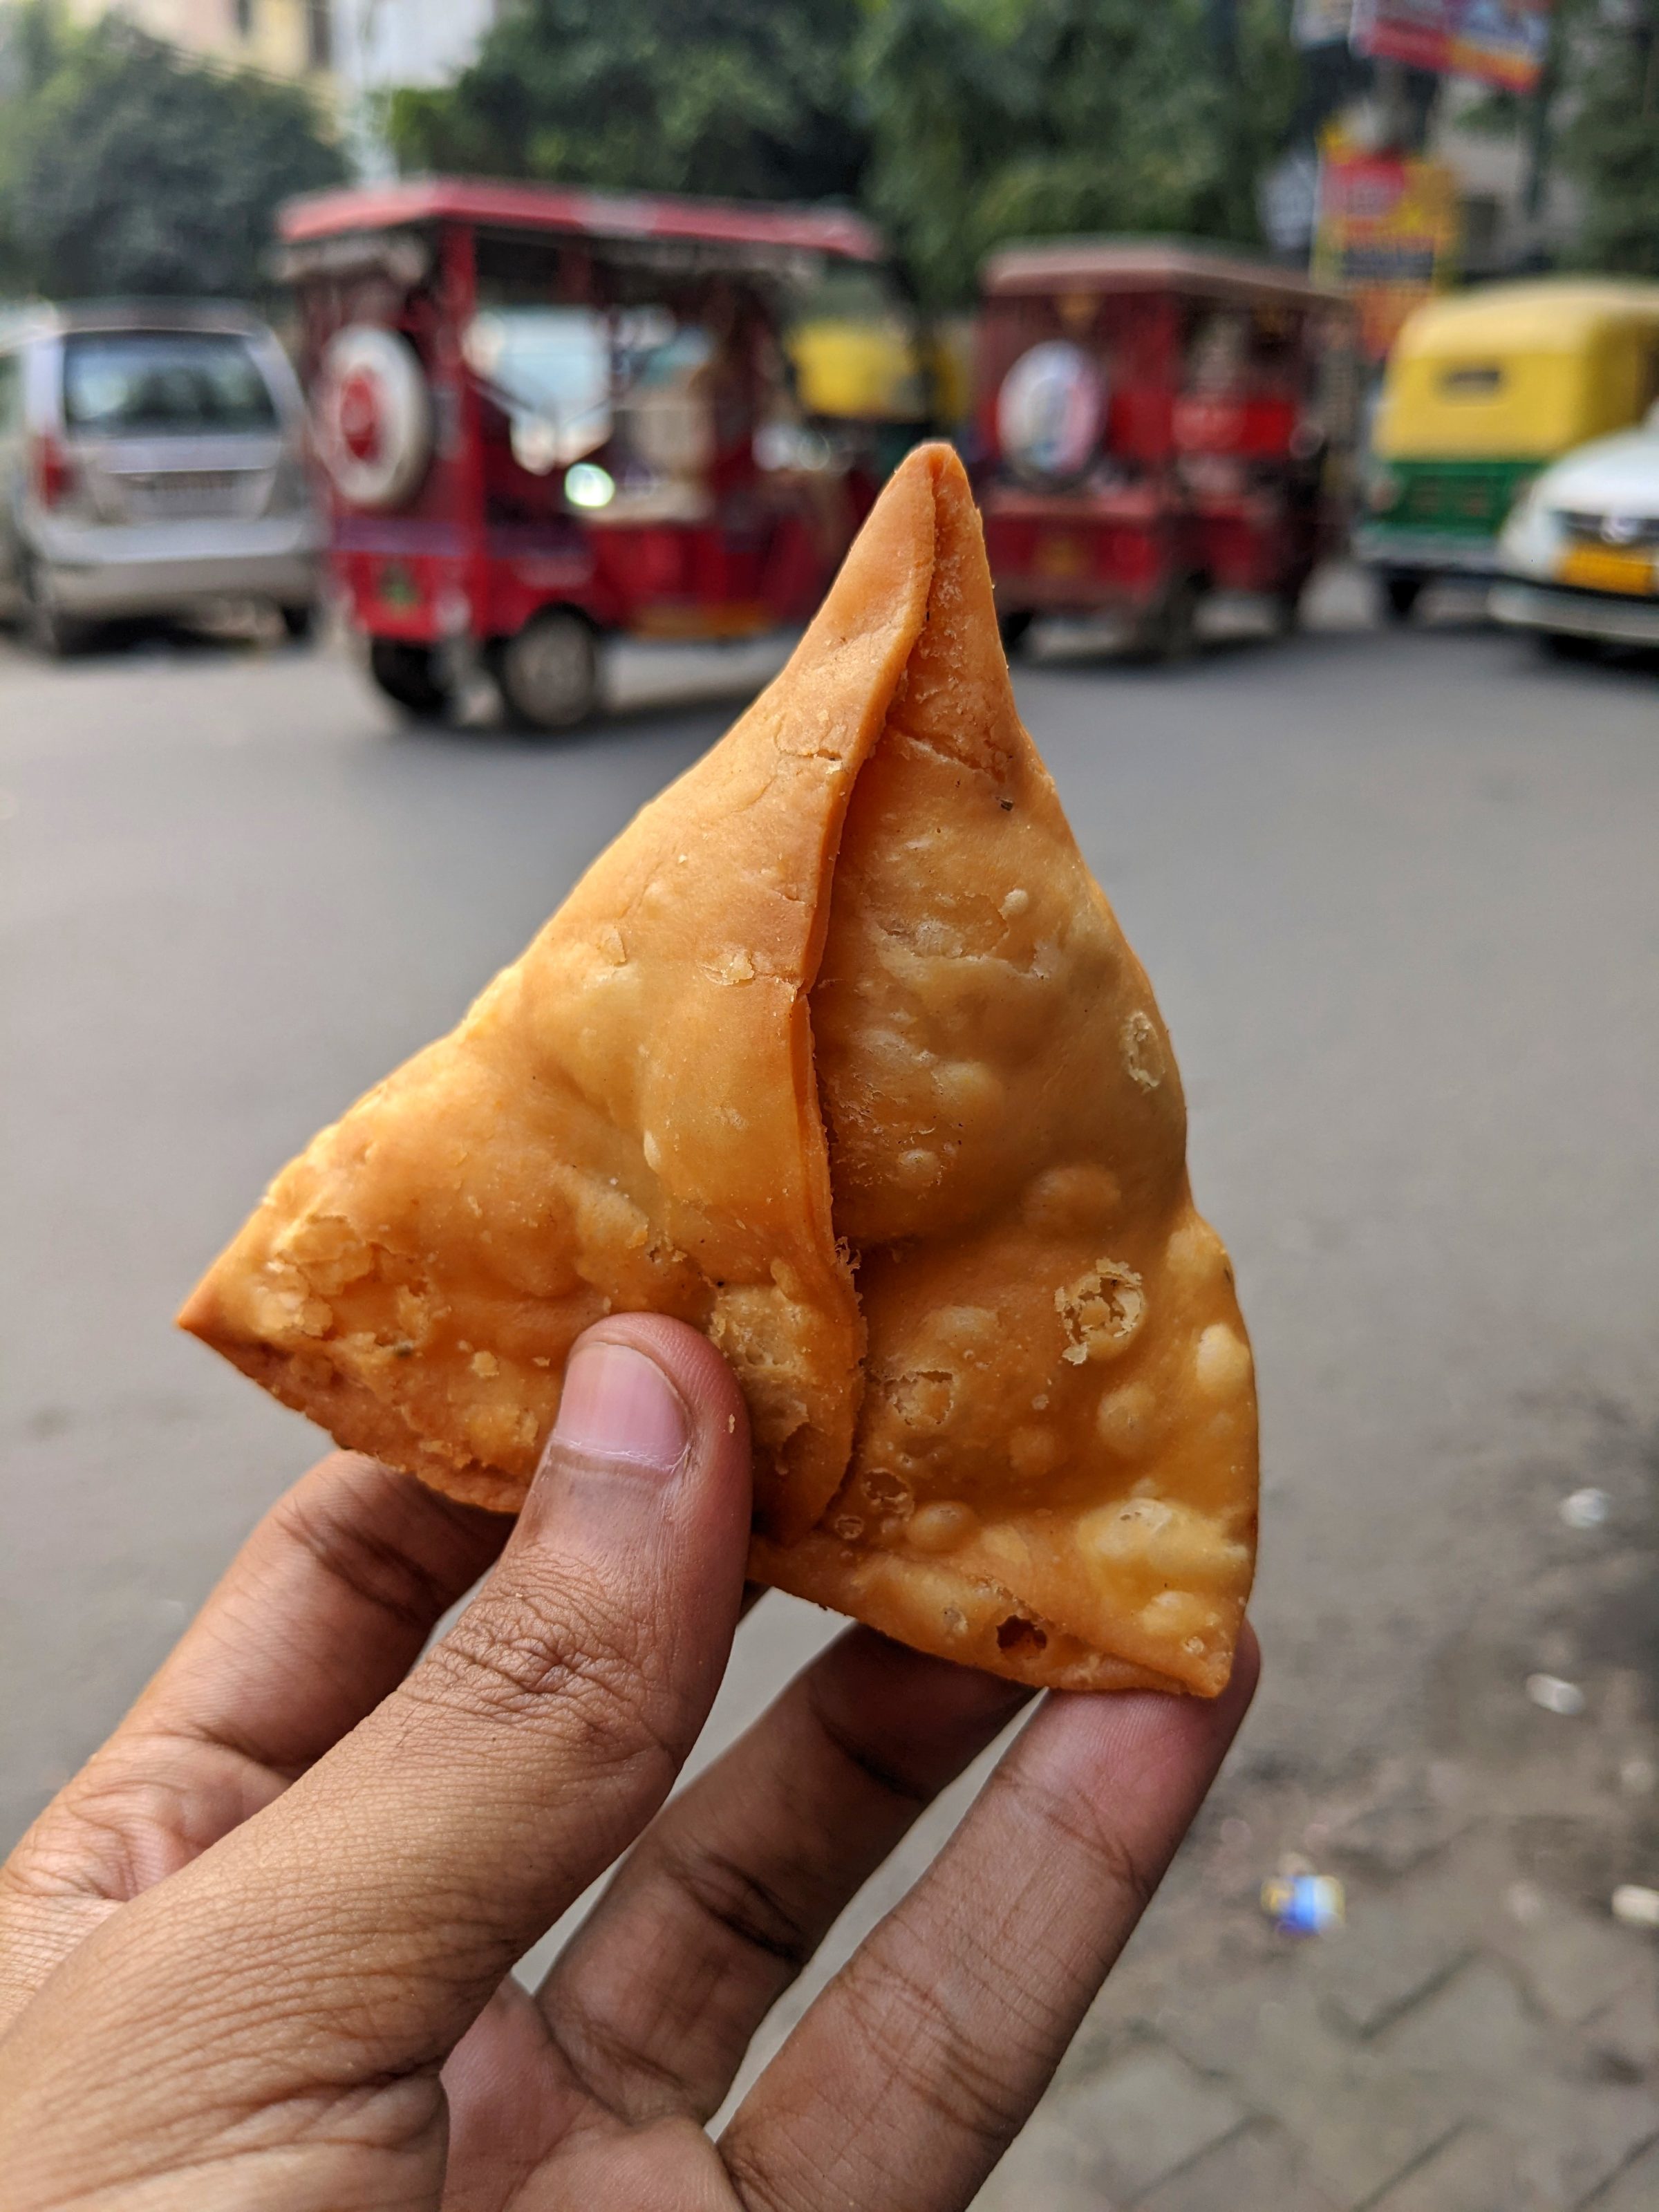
[1223,22]
[1538,118]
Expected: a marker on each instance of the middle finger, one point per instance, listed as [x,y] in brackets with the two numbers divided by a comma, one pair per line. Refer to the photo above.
[733,1887]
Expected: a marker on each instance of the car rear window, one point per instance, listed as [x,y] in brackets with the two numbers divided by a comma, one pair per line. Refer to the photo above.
[164,381]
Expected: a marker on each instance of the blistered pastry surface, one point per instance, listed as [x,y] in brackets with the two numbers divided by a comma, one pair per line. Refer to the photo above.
[1059,1404]
[626,1118]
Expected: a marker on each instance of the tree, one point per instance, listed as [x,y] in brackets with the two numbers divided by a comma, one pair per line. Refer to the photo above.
[992,122]
[739,98]
[958,122]
[129,168]
[1609,144]
[34,41]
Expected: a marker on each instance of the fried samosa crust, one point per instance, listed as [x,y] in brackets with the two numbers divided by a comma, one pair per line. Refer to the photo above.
[839,1055]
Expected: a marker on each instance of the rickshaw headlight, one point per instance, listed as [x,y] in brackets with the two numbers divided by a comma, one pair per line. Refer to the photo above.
[588,485]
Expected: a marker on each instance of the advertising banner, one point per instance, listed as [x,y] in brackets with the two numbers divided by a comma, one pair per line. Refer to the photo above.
[1501,42]
[1387,233]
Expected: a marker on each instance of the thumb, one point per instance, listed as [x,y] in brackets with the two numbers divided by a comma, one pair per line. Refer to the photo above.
[362,1921]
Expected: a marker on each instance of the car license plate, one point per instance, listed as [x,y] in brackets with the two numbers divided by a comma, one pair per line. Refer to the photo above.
[189,494]
[1604,568]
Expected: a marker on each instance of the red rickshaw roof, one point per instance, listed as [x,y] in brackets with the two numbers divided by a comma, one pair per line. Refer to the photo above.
[503,205]
[1144,265]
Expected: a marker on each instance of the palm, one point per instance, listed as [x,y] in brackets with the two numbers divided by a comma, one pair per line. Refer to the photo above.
[267,1932]
[525,2135]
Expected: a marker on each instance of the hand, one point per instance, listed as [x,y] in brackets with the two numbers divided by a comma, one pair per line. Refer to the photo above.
[257,1951]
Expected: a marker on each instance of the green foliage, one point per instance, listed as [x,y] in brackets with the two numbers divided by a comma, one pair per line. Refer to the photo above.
[739,98]
[34,43]
[1067,115]
[127,168]
[1610,143]
[958,122]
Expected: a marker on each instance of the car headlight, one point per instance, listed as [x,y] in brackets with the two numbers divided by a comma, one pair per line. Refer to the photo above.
[1527,503]
[1529,539]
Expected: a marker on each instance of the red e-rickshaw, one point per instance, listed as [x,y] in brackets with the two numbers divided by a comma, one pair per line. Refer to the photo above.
[1154,423]
[545,417]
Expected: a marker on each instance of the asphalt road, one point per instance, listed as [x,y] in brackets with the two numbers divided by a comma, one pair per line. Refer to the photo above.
[1399,899]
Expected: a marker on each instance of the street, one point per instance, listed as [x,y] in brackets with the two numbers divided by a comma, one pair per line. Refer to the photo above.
[1397,894]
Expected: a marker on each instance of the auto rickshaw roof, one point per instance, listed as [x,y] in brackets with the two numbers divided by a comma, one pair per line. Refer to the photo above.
[553,209]
[1546,314]
[1145,265]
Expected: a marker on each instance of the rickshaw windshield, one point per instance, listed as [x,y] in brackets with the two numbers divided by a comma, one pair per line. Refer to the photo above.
[571,379]
[550,366]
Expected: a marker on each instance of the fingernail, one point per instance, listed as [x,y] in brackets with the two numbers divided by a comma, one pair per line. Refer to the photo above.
[618,1405]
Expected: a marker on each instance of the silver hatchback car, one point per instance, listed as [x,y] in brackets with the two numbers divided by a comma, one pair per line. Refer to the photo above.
[152,461]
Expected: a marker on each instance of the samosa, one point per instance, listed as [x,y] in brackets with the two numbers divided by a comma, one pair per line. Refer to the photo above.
[838,1054]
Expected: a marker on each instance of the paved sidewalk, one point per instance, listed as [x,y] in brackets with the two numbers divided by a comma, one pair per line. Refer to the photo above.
[1484,2035]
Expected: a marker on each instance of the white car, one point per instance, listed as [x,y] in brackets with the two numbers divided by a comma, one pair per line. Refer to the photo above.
[152,461]
[1579,554]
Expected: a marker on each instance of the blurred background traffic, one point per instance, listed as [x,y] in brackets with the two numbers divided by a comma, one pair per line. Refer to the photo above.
[421,425]
[515,423]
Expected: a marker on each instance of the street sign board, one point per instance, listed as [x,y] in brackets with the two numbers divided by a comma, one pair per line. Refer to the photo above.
[1501,42]
[1387,234]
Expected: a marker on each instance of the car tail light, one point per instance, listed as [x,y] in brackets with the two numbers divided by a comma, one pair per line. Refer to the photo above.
[54,472]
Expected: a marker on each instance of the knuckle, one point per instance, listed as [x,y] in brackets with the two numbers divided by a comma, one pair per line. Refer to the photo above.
[1112,1858]
[519,1656]
[137,1813]
[738,1900]
[933,2060]
[366,1564]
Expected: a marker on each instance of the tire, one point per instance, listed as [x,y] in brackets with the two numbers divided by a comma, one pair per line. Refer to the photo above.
[1401,590]
[1169,632]
[300,623]
[410,677]
[1287,609]
[548,672]
[1567,645]
[1014,630]
[53,634]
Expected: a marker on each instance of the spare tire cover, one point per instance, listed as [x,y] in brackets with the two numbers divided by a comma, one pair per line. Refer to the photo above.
[1050,412]
[373,415]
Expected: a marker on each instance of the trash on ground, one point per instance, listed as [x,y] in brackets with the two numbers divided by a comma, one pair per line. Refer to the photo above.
[1637,1905]
[1585,1509]
[1304,1903]
[1555,1696]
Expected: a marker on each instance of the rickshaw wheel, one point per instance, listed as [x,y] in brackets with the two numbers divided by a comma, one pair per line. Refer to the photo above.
[1287,609]
[549,671]
[1014,630]
[1170,631]
[1401,591]
[409,675]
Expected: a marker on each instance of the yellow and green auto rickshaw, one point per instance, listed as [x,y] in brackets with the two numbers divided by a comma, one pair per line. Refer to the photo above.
[1483,389]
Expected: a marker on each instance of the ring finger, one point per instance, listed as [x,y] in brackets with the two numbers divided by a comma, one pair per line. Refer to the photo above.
[732,1889]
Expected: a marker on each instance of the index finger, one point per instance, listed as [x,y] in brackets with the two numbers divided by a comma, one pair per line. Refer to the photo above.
[321,1613]
[337,1945]
[914,2071]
